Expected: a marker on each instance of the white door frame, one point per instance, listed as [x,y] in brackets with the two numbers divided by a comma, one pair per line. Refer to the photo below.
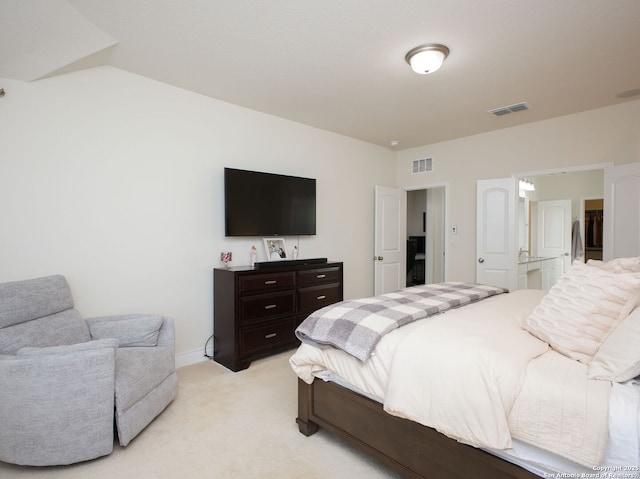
[569,169]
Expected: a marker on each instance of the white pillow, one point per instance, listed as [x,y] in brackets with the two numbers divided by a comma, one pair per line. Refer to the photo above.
[618,265]
[618,359]
[583,308]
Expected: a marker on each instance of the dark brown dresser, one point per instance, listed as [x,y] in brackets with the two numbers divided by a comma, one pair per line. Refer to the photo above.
[256,311]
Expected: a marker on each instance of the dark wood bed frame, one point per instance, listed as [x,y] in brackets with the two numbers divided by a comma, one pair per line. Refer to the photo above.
[415,451]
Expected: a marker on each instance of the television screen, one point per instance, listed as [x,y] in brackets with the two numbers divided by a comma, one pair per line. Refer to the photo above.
[267,204]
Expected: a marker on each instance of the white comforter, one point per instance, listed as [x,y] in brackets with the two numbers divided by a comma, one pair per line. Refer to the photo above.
[475,375]
[475,362]
[559,409]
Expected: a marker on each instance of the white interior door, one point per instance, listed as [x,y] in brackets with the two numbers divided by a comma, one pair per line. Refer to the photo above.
[496,216]
[554,232]
[622,211]
[390,240]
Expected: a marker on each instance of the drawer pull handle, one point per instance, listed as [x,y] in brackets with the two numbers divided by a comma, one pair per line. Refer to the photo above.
[272,281]
[269,336]
[320,276]
[270,306]
[322,296]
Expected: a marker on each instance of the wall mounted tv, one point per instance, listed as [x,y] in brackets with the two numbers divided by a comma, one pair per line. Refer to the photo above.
[268,204]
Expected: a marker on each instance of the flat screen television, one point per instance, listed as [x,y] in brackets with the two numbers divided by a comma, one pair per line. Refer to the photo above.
[268,204]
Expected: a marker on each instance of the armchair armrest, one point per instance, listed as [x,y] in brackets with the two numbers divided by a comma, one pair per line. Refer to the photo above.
[167,338]
[56,405]
[134,329]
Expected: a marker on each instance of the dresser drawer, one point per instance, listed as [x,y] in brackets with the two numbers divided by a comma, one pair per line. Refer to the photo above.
[315,297]
[253,283]
[267,336]
[320,275]
[266,306]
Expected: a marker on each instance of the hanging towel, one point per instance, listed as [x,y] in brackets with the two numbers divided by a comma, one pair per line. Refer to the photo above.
[576,241]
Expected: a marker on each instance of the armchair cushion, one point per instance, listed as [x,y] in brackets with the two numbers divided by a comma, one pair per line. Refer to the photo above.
[65,327]
[97,344]
[130,330]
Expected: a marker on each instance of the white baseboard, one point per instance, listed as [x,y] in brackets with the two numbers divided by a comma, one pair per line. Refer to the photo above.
[193,357]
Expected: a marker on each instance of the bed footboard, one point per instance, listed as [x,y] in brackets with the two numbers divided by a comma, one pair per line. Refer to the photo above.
[413,450]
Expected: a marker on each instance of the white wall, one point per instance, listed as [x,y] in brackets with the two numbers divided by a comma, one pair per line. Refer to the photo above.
[606,135]
[116,181]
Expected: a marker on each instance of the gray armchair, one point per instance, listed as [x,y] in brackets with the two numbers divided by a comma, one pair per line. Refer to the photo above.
[64,380]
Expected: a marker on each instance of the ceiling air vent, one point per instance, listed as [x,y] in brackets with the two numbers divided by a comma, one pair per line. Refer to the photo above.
[505,110]
[421,165]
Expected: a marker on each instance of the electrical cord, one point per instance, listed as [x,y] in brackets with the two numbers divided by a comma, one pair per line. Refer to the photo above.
[205,348]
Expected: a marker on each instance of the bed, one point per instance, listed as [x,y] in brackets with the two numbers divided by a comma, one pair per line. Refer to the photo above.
[516,385]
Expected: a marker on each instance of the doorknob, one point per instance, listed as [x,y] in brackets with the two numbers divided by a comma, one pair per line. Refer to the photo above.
[481,260]
[378,258]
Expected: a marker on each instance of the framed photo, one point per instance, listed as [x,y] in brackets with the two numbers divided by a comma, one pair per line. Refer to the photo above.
[275,248]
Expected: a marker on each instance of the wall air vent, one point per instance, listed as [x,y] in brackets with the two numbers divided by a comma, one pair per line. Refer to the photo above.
[421,165]
[505,110]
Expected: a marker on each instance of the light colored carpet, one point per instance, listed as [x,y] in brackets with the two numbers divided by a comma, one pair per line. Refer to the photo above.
[225,425]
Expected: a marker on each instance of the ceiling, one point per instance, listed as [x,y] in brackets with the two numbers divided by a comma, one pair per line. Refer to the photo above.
[339,64]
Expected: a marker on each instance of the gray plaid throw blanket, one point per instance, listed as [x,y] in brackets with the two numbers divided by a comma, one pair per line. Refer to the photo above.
[356,326]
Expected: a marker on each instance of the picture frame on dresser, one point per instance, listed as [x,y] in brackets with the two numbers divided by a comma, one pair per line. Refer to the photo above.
[276,248]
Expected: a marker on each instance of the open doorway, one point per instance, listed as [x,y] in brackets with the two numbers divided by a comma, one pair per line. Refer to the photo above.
[426,235]
[593,228]
[585,190]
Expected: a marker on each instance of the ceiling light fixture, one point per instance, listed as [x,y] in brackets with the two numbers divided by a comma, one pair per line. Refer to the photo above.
[427,58]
